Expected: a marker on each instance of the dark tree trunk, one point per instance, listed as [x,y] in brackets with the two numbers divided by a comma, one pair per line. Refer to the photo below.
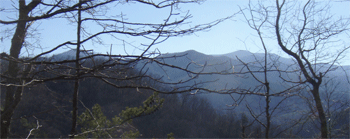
[76,82]
[321,114]
[313,79]
[14,94]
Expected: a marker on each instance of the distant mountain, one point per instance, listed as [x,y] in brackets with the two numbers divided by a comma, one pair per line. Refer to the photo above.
[240,54]
[71,54]
[220,63]
[247,56]
[192,60]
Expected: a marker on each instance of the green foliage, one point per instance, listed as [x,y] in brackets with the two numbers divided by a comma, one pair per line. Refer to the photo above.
[170,135]
[94,121]
[29,126]
[131,134]
[96,125]
[152,104]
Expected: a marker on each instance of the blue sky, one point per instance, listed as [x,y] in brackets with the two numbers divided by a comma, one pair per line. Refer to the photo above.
[229,36]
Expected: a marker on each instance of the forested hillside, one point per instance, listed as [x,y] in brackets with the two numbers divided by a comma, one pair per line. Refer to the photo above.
[152,69]
[186,115]
[183,115]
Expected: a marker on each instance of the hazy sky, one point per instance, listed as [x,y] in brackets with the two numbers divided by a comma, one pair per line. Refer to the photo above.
[224,38]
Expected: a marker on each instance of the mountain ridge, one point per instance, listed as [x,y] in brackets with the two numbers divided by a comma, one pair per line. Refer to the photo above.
[217,63]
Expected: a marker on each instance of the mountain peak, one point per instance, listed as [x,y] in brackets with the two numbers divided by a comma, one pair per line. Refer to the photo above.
[70,54]
[239,53]
[191,53]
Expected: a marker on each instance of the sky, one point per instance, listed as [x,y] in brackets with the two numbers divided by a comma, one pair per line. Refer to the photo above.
[229,36]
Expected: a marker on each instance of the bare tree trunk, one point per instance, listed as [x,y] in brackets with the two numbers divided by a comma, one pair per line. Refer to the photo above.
[313,79]
[267,94]
[268,116]
[76,82]
[14,94]
[321,114]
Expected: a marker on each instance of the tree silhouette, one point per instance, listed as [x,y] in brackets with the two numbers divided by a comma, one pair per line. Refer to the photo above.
[308,34]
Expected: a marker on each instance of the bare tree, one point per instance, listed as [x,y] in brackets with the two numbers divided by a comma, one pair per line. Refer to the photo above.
[24,72]
[309,46]
[262,70]
[308,34]
[336,105]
